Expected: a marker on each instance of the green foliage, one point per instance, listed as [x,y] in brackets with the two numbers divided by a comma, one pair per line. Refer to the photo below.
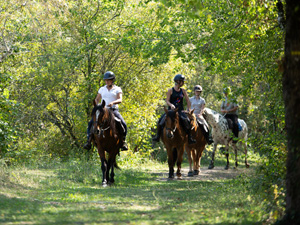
[7,134]
[54,53]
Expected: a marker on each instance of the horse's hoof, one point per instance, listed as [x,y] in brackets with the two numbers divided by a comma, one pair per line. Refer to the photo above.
[247,165]
[190,173]
[179,178]
[211,166]
[226,167]
[104,184]
[196,172]
[170,178]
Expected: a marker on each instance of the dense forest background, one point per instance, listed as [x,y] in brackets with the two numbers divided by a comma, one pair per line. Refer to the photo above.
[53,54]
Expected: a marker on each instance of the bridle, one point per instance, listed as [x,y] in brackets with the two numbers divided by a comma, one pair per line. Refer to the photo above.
[167,128]
[100,132]
[170,132]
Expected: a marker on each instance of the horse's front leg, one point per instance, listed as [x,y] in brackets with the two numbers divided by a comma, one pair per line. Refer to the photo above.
[111,162]
[235,152]
[195,160]
[246,151]
[198,159]
[189,154]
[179,161]
[212,162]
[171,162]
[104,171]
[227,157]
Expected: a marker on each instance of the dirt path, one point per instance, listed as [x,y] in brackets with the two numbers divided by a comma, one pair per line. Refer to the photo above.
[216,173]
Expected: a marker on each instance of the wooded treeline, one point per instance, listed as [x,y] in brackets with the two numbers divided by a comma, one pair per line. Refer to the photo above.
[53,53]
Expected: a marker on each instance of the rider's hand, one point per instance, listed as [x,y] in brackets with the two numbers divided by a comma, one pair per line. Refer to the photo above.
[173,107]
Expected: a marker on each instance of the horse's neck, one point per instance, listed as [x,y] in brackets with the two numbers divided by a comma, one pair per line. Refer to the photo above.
[108,117]
[216,119]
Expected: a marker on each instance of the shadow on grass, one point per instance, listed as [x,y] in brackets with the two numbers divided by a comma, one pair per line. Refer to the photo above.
[74,195]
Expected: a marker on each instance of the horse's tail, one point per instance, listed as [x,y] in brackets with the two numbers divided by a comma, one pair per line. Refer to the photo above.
[174,155]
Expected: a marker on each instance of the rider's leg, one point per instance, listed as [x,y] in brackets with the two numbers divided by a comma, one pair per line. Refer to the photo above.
[160,126]
[187,127]
[232,121]
[205,133]
[235,128]
[119,116]
[88,145]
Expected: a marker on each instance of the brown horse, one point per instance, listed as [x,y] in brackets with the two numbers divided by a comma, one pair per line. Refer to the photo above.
[174,139]
[107,139]
[194,151]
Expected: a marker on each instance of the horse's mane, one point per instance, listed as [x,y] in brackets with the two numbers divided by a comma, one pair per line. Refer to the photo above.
[213,114]
[108,116]
[172,114]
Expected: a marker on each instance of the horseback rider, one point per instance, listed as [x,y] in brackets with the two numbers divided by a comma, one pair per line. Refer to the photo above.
[112,95]
[229,109]
[198,104]
[174,101]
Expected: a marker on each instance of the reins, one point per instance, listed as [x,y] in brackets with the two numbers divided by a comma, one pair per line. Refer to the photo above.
[167,128]
[101,125]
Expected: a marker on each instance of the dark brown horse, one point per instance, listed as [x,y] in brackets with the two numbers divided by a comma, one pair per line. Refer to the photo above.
[107,139]
[174,139]
[194,151]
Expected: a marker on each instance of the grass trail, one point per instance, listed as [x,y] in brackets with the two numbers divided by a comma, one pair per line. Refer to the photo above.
[71,193]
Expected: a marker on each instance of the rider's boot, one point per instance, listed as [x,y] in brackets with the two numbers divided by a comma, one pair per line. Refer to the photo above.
[158,133]
[88,144]
[206,135]
[124,145]
[208,138]
[187,127]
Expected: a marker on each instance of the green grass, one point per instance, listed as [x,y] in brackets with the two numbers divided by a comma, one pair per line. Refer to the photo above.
[71,193]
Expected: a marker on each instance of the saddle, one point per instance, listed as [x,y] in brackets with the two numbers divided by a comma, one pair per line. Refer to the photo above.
[230,124]
[119,125]
[202,124]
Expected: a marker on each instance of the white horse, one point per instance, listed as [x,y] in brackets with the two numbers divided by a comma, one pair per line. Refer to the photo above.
[223,135]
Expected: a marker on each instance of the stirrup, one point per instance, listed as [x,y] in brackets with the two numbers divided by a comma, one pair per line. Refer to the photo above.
[87,146]
[156,138]
[191,140]
[124,146]
[210,141]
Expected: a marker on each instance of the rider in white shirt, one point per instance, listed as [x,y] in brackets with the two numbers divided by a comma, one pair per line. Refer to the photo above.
[198,104]
[112,95]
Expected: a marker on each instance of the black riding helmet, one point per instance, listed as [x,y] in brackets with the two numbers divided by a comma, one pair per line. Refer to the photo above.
[179,77]
[109,76]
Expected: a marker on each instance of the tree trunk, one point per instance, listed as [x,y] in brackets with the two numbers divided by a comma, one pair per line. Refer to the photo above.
[291,94]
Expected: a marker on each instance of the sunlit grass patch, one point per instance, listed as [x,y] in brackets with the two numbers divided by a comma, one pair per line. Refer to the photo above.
[71,192]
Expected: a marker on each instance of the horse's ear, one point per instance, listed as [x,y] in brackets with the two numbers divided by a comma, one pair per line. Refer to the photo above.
[94,102]
[103,103]
[192,111]
[166,110]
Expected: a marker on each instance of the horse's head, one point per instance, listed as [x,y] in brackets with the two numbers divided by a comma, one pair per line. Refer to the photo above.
[192,118]
[98,115]
[171,122]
